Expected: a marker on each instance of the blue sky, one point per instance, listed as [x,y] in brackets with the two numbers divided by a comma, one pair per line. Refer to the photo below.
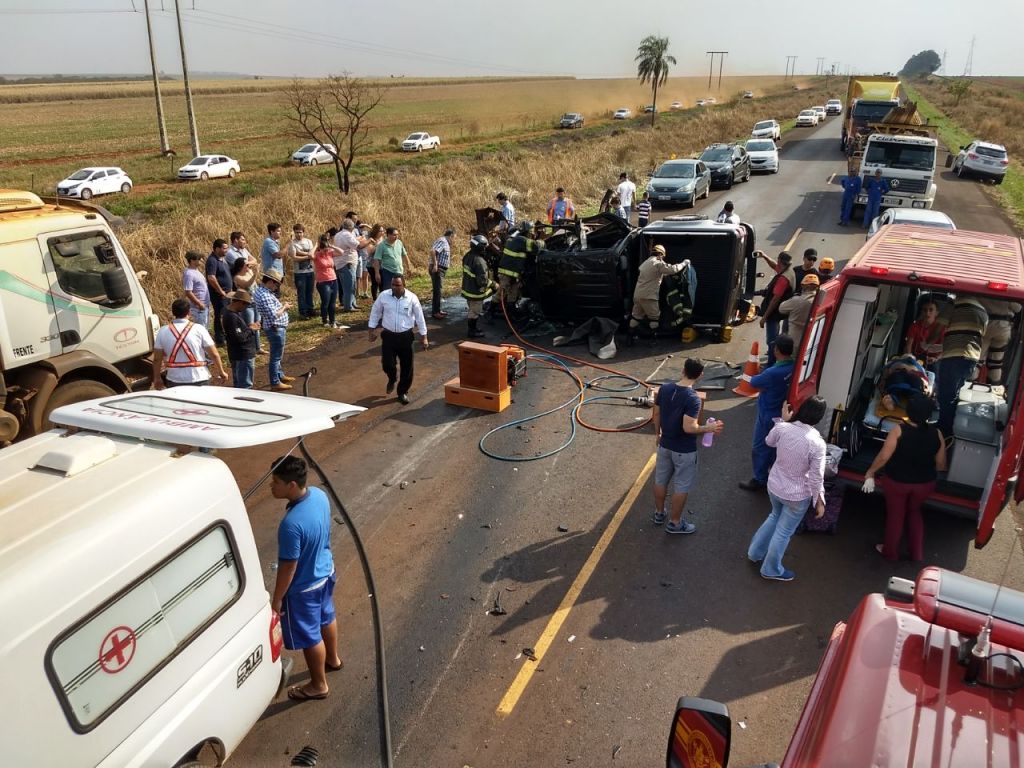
[587,38]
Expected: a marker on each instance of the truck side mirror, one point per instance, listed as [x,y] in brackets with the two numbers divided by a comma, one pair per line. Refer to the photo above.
[701,734]
[116,287]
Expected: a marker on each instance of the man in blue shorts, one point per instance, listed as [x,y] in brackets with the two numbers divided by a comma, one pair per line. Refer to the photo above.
[304,592]
[676,408]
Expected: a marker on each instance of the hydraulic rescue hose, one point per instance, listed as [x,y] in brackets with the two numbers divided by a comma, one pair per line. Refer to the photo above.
[577,401]
[378,630]
[383,710]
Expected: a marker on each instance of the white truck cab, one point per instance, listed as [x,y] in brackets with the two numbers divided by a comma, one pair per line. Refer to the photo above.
[139,631]
[907,162]
[75,323]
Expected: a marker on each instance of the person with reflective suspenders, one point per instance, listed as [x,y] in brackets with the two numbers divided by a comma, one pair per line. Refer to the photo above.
[183,348]
[476,283]
[518,249]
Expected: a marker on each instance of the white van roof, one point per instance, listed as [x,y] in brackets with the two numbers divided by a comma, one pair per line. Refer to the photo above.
[205,417]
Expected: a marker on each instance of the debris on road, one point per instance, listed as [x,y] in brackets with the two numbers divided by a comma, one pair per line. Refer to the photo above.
[572,638]
[403,485]
[530,654]
[743,724]
[563,528]
[444,595]
[496,609]
[422,649]
[307,756]
[616,750]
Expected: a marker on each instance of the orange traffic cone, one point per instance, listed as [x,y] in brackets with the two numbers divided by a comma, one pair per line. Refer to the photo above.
[752,368]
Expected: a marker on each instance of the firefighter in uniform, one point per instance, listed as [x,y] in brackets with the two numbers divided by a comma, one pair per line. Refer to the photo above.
[476,282]
[648,289]
[513,262]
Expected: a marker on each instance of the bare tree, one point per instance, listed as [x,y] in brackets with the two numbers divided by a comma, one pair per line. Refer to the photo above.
[333,111]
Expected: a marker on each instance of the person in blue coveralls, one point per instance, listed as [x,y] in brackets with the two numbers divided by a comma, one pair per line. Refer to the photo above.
[851,188]
[773,384]
[875,188]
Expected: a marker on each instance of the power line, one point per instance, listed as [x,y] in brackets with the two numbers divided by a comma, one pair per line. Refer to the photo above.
[721,57]
[790,63]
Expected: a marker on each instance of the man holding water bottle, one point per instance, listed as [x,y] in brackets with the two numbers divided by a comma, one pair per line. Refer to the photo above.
[676,409]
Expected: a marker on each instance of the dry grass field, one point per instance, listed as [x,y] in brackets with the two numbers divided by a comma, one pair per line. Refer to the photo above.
[993,110]
[51,130]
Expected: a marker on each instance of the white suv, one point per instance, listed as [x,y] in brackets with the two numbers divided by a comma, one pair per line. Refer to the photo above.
[806,118]
[94,181]
[979,158]
[767,129]
[833,107]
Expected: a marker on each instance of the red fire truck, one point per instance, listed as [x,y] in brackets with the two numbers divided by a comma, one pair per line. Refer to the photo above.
[925,675]
[860,320]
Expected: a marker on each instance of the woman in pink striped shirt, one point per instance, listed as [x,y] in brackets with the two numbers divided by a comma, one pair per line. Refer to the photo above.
[795,482]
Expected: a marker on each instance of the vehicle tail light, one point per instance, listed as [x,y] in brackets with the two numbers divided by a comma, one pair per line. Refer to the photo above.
[276,636]
[972,155]
[1004,161]
[880,271]
[936,280]
[996,285]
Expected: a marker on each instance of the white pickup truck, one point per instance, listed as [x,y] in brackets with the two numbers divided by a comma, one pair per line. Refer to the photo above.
[417,142]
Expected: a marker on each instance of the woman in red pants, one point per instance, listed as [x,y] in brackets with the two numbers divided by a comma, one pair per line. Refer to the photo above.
[913,454]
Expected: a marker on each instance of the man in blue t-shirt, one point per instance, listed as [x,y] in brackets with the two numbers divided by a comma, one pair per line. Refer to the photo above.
[304,592]
[676,408]
[773,385]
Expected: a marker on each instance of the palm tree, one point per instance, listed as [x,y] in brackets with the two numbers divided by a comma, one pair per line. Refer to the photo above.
[652,62]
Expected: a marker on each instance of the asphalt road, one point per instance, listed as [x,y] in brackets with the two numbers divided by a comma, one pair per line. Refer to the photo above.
[623,618]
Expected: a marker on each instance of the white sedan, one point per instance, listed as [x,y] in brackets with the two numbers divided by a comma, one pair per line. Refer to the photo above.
[314,154]
[808,118]
[764,155]
[94,181]
[208,167]
[623,113]
[919,217]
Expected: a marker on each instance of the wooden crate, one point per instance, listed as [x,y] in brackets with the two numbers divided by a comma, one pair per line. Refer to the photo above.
[456,394]
[483,367]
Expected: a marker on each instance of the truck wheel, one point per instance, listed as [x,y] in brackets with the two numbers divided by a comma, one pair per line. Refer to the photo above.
[73,392]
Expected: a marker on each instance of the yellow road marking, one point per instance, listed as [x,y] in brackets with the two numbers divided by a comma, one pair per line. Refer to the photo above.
[515,691]
[793,238]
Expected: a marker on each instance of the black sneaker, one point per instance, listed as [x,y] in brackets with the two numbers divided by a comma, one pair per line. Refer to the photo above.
[391,387]
[403,399]
[752,485]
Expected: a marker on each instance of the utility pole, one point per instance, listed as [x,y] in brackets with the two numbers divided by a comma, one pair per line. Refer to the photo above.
[970,60]
[193,133]
[790,64]
[820,69]
[942,68]
[165,145]
[711,70]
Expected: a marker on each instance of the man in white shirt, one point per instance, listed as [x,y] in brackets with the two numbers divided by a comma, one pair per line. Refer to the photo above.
[396,312]
[727,215]
[183,348]
[626,192]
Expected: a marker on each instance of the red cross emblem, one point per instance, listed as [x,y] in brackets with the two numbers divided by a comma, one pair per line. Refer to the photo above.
[117,650]
[190,411]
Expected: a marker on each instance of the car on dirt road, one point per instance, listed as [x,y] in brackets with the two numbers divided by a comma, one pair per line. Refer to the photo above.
[650,109]
[676,105]
[728,163]
[833,107]
[766,129]
[679,181]
[807,118]
[208,167]
[748,94]
[623,113]
[89,182]
[571,120]
[314,154]
[982,159]
[764,155]
[417,142]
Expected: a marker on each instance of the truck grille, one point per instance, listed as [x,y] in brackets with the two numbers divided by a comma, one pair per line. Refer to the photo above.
[913,186]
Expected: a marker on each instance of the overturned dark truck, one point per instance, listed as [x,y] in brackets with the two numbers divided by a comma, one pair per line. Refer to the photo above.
[588,268]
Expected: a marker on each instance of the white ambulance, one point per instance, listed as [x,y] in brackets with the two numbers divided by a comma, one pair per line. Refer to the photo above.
[137,627]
